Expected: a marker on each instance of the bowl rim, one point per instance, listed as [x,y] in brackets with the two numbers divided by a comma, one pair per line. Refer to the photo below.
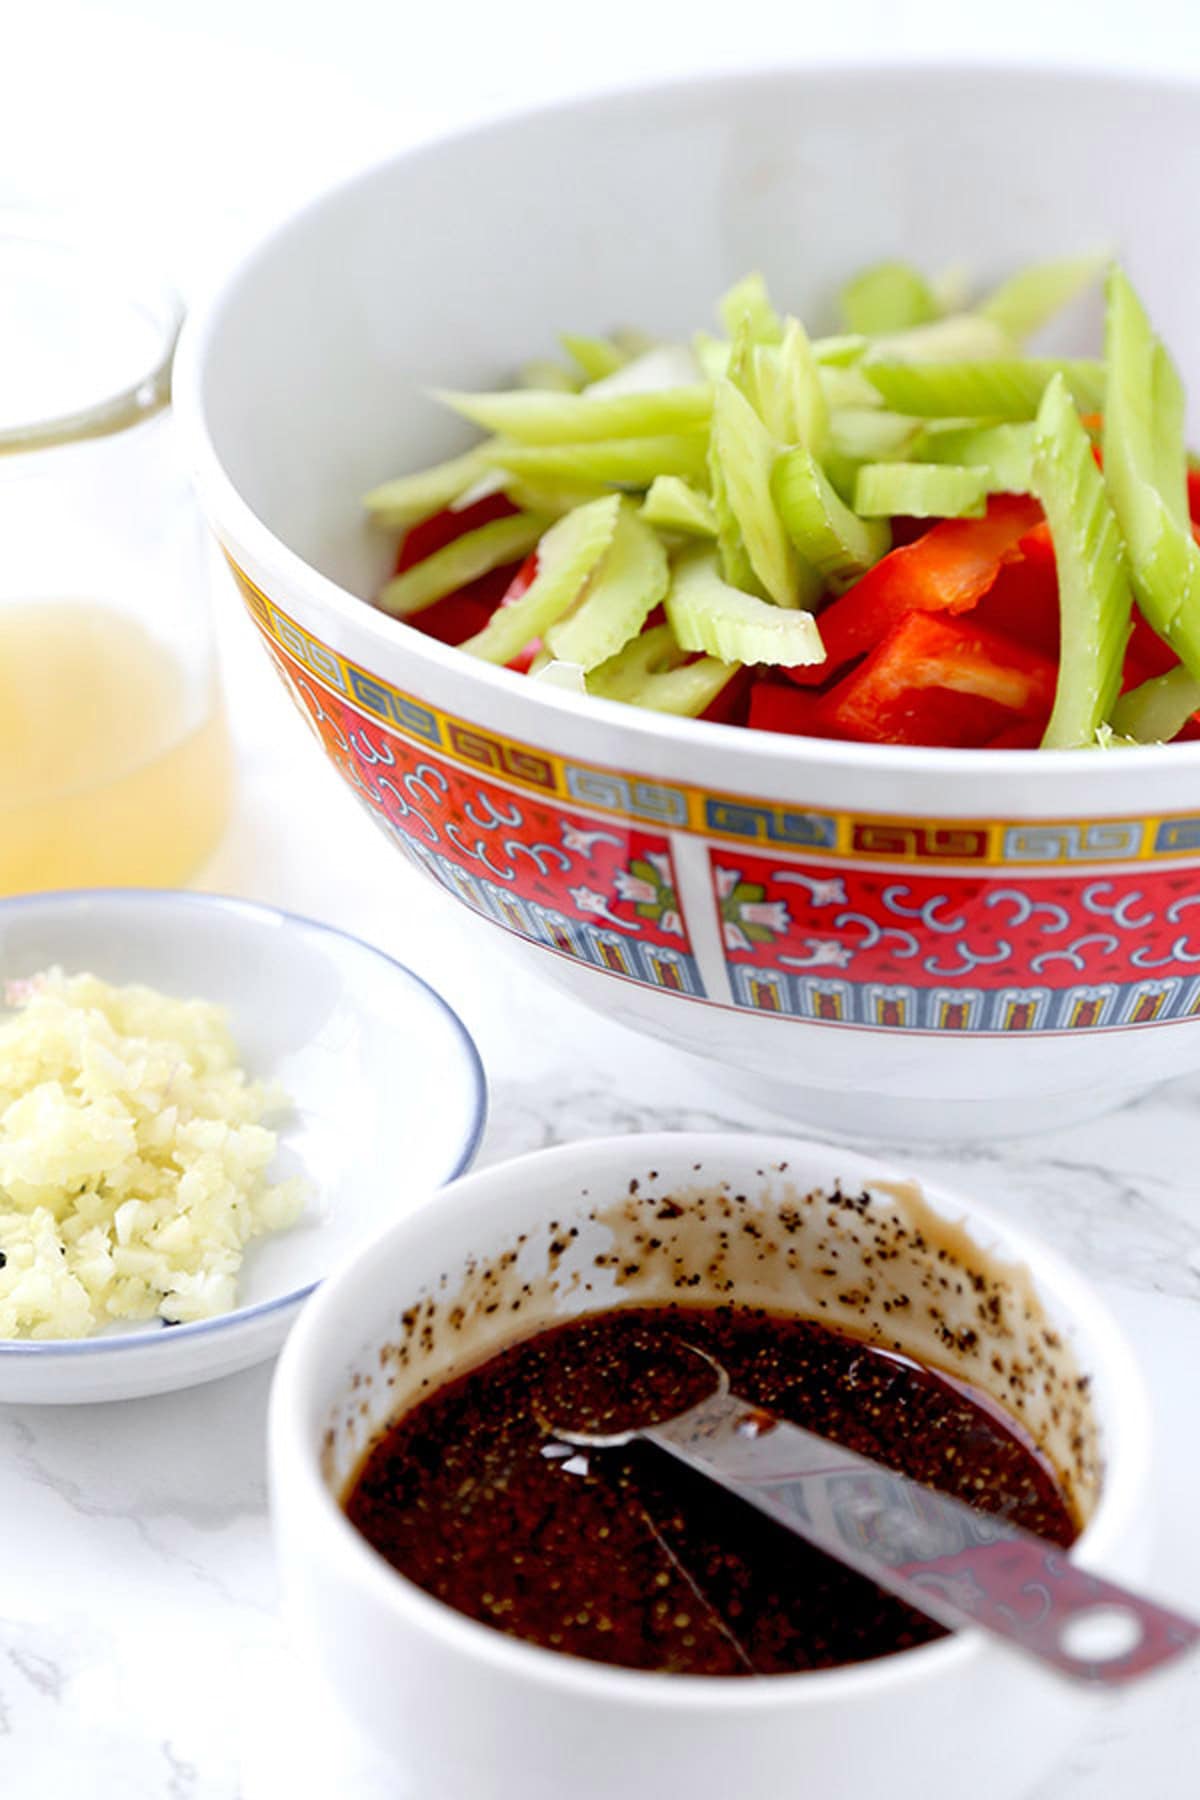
[742,746]
[294,1456]
[224,905]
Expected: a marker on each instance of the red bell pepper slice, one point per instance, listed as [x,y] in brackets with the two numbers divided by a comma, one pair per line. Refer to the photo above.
[441,528]
[1022,602]
[940,681]
[778,706]
[947,570]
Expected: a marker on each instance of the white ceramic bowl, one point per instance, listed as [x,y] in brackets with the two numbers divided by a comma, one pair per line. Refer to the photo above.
[953,941]
[469,1714]
[388,1088]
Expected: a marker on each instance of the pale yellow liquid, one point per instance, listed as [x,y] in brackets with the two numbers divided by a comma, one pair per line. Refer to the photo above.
[103,782]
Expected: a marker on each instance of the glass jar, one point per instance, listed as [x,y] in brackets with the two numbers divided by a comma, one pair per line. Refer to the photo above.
[114,756]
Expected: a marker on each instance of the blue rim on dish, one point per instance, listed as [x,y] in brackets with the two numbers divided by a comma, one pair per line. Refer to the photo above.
[187,1333]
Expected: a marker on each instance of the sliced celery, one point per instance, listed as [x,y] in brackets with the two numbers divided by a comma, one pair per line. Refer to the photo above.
[708,615]
[748,299]
[654,672]
[712,354]
[552,499]
[547,376]
[567,557]
[746,452]
[539,418]
[628,462]
[1004,451]
[1028,300]
[1095,603]
[1007,388]
[1170,451]
[951,288]
[847,386]
[672,505]
[627,586]
[1139,448]
[596,356]
[652,371]
[411,497]
[891,296]
[959,339]
[566,675]
[827,534]
[840,351]
[735,563]
[1158,710]
[806,409]
[861,434]
[920,491]
[468,557]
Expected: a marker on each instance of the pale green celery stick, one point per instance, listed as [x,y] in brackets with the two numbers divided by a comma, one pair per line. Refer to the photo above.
[411,497]
[748,299]
[1158,710]
[633,342]
[740,368]
[805,408]
[862,435]
[712,354]
[830,538]
[964,337]
[672,505]
[596,356]
[653,672]
[546,376]
[764,390]
[1029,299]
[552,500]
[627,462]
[847,386]
[1004,451]
[1010,388]
[1170,451]
[920,491]
[746,453]
[666,367]
[1095,604]
[951,288]
[476,553]
[839,351]
[627,586]
[537,418]
[567,558]
[1164,561]
[706,614]
[568,676]
[1108,739]
[890,296]
[735,563]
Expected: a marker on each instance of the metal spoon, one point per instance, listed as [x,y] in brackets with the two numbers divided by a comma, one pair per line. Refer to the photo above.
[961,1567]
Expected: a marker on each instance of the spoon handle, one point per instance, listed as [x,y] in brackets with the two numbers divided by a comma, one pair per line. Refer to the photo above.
[961,1567]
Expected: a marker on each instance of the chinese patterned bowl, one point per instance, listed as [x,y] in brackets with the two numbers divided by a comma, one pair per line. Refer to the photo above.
[925,940]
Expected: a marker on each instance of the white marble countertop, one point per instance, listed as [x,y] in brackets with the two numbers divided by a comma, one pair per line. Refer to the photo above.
[140,1653]
[141,1657]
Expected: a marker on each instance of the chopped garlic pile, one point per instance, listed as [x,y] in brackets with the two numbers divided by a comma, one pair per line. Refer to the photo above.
[133,1159]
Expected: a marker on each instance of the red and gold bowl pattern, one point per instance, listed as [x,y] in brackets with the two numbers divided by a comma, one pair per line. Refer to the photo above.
[884,923]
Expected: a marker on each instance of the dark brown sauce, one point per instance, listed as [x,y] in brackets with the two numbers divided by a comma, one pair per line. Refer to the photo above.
[623,1557]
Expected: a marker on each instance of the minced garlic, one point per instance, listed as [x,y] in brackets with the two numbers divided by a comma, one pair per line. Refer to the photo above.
[133,1158]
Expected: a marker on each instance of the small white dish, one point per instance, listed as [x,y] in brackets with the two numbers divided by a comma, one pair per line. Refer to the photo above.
[389,1102]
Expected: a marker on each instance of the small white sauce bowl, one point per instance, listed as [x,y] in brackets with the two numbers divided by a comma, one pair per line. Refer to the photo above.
[469,1714]
[388,1090]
